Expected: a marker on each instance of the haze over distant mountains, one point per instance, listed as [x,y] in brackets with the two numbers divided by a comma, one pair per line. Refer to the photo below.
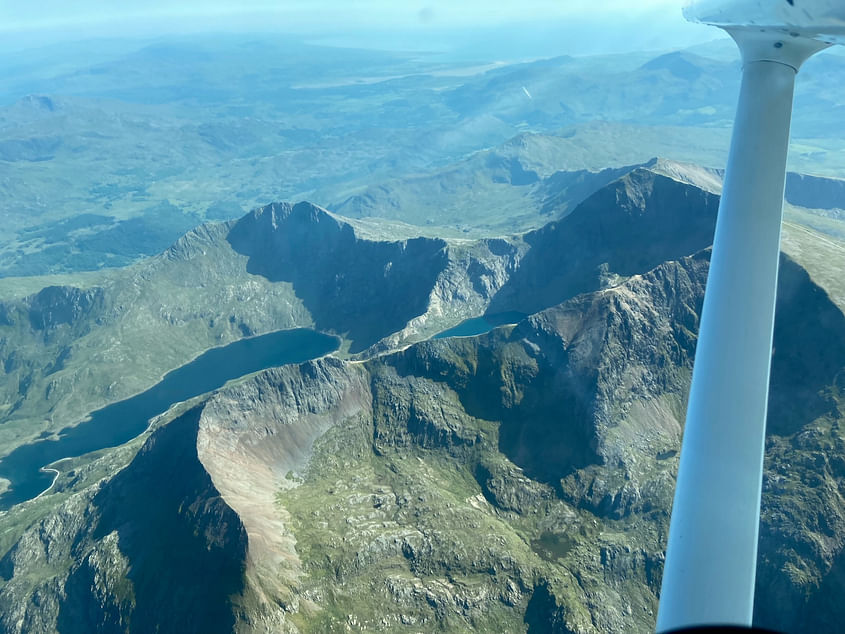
[113,156]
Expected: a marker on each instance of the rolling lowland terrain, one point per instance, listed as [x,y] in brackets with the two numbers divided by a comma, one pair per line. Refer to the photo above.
[517,480]
[111,151]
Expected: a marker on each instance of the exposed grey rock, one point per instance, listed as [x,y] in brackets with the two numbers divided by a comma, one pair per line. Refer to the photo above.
[57,305]
[815,192]
[627,228]
[350,285]
[129,553]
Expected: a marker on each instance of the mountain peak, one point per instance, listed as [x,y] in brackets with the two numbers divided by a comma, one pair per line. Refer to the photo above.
[301,214]
[706,178]
[681,64]
[198,240]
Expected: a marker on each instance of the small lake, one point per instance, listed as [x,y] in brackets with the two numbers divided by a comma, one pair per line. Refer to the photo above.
[480,325]
[120,422]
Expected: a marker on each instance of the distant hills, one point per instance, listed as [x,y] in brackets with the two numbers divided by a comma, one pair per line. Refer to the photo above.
[534,178]
[110,158]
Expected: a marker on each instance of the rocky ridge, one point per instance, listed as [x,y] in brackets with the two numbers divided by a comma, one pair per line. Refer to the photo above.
[519,480]
[286,266]
[457,407]
[513,481]
[62,349]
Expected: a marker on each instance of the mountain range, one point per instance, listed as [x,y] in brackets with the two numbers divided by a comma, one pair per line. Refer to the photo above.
[514,480]
[110,155]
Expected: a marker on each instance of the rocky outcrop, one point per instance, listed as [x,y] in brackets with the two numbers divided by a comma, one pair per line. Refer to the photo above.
[61,350]
[152,549]
[257,438]
[51,319]
[518,480]
[475,272]
[350,285]
[802,533]
[57,305]
[581,389]
[54,307]
[627,228]
[158,547]
[198,241]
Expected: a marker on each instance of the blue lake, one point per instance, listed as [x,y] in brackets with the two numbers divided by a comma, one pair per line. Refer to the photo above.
[119,422]
[480,325]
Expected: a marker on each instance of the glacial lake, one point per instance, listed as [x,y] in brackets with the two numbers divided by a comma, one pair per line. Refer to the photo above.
[481,325]
[120,422]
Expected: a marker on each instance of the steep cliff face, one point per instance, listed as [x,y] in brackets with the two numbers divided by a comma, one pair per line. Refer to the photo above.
[350,285]
[475,272]
[152,549]
[627,228]
[802,536]
[57,305]
[256,439]
[387,472]
[519,479]
[815,192]
[51,319]
[62,350]
[562,432]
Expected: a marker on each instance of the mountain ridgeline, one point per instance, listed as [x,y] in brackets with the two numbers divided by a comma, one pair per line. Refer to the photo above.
[280,267]
[518,480]
[364,288]
[286,266]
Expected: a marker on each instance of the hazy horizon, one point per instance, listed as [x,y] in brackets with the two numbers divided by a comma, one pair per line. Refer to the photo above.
[539,28]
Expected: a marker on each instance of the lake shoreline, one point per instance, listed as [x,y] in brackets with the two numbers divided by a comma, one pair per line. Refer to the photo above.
[119,422]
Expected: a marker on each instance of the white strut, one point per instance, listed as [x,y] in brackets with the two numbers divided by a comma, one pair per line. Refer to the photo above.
[711,557]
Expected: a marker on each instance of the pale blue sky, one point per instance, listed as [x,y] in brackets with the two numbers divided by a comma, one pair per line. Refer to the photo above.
[312,13]
[598,25]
